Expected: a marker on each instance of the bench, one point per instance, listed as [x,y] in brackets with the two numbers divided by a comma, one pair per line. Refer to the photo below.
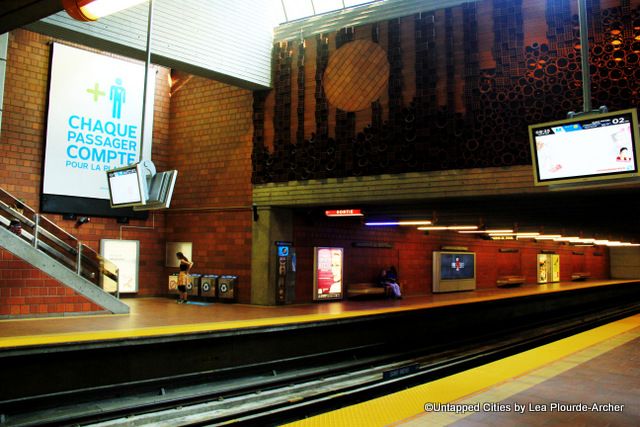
[580,275]
[508,281]
[366,290]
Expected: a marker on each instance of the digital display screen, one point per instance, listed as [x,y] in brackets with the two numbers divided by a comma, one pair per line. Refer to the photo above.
[457,266]
[328,273]
[124,187]
[580,148]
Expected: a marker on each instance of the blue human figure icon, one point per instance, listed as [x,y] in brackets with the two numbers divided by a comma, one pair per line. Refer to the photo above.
[118,96]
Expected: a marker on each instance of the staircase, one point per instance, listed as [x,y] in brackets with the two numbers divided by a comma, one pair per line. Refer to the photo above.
[39,242]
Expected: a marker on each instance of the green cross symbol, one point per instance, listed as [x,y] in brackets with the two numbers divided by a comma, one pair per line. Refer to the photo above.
[96,92]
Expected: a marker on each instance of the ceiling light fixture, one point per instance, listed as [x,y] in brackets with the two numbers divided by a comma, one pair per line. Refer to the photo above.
[617,243]
[517,234]
[487,231]
[91,10]
[586,241]
[448,227]
[388,223]
[566,239]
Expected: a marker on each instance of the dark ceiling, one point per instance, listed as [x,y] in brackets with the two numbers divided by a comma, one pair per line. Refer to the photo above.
[17,13]
[612,214]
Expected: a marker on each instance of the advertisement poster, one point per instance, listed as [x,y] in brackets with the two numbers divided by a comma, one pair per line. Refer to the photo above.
[124,254]
[94,120]
[328,269]
[543,269]
[555,268]
[457,266]
[548,268]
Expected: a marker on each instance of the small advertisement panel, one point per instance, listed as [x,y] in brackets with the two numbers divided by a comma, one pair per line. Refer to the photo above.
[457,266]
[548,268]
[125,254]
[555,268]
[327,277]
[543,269]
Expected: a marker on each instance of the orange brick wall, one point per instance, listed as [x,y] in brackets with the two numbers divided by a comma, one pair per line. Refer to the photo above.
[26,291]
[22,143]
[211,131]
[204,130]
[411,254]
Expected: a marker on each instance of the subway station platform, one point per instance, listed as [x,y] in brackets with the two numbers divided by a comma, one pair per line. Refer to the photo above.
[588,379]
[158,317]
[232,348]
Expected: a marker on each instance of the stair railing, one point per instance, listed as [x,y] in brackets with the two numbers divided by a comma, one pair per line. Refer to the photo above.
[49,238]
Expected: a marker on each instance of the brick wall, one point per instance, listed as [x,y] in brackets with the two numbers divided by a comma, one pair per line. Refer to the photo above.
[209,126]
[26,291]
[411,253]
[22,144]
[211,131]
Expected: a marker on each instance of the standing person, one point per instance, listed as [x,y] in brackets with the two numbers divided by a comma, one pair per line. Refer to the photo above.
[183,277]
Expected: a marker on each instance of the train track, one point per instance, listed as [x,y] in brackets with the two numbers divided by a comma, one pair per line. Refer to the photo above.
[287,390]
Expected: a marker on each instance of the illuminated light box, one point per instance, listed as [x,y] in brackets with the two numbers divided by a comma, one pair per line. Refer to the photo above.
[328,271]
[591,147]
[343,212]
[454,271]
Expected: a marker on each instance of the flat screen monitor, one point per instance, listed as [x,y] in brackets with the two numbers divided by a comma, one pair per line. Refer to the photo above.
[454,271]
[127,186]
[160,191]
[591,147]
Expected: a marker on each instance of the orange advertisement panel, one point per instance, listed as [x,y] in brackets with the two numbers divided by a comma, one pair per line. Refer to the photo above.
[328,269]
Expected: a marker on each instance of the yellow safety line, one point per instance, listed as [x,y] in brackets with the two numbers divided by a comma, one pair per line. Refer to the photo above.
[62,317]
[88,336]
[408,403]
[74,337]
[504,391]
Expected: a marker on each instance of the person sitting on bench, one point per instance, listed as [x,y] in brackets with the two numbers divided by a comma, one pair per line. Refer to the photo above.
[389,279]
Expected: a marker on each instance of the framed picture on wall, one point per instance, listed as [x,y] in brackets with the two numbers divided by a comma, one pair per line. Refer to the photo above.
[126,255]
[174,247]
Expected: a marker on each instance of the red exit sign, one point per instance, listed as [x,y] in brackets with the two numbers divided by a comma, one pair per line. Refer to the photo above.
[344,212]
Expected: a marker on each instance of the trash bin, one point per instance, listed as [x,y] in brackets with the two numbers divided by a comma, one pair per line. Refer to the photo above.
[173,284]
[209,285]
[193,287]
[227,287]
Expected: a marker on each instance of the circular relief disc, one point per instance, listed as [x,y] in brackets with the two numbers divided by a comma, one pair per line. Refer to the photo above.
[356,75]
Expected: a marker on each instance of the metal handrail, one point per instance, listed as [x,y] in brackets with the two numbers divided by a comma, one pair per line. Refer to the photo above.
[46,236]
